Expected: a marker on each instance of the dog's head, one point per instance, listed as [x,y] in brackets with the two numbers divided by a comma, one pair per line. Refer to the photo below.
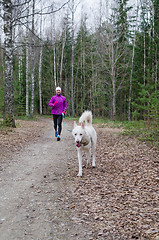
[78,133]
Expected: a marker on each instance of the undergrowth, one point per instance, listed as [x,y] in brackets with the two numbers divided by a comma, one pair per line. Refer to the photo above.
[138,129]
[141,130]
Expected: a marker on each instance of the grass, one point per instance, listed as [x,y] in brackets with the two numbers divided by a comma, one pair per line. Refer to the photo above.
[25,118]
[107,123]
[137,129]
[140,130]
[5,128]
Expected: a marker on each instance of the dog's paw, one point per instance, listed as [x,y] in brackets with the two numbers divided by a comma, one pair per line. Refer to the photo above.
[79,175]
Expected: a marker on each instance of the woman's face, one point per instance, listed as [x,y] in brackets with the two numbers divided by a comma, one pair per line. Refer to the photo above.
[58,92]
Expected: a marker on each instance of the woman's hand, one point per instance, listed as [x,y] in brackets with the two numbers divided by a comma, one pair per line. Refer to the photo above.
[55,103]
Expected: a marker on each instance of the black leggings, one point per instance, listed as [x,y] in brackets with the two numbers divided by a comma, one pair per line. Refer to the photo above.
[57,119]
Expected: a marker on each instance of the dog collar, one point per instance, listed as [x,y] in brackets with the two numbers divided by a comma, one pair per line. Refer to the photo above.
[85,143]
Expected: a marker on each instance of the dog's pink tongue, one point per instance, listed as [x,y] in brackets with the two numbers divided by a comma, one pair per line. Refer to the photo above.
[78,145]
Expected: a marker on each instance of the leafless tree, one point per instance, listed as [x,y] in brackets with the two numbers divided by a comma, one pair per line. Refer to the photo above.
[8,46]
[32,60]
[132,65]
[72,71]
[40,68]
[63,46]
[27,63]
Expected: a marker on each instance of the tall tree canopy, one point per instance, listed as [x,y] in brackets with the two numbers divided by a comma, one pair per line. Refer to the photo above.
[112,70]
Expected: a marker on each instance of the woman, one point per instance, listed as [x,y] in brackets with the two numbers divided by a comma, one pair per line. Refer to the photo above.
[59,106]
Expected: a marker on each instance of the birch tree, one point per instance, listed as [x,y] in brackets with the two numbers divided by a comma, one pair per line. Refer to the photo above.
[8,45]
[62,50]
[132,66]
[32,61]
[27,63]
[72,60]
[112,62]
[40,68]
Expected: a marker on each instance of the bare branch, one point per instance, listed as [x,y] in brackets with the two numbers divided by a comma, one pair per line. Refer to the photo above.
[45,13]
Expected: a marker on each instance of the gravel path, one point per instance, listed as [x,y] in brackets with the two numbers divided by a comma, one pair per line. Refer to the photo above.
[33,184]
[41,197]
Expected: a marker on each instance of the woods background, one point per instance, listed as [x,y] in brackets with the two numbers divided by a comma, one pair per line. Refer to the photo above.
[111,68]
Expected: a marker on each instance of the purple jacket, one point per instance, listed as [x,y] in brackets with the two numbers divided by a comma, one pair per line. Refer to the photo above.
[60,106]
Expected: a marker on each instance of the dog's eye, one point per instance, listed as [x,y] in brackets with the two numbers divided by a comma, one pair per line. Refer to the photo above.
[80,134]
[75,134]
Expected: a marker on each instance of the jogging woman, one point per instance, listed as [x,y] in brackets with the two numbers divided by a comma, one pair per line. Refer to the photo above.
[59,106]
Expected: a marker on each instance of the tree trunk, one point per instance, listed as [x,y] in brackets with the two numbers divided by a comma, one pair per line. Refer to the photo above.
[130,88]
[40,67]
[9,91]
[144,59]
[40,70]
[53,40]
[27,64]
[62,53]
[114,96]
[33,64]
[132,65]
[55,65]
[2,73]
[20,71]
[72,70]
[113,83]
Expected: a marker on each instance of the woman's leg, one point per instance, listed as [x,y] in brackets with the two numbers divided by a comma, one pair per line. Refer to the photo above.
[59,124]
[55,121]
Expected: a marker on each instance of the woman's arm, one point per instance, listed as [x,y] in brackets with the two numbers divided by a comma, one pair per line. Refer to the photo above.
[51,102]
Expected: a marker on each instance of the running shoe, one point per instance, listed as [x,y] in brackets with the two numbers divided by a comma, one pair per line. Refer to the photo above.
[58,137]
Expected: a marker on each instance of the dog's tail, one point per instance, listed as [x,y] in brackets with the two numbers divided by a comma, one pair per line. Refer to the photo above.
[86,117]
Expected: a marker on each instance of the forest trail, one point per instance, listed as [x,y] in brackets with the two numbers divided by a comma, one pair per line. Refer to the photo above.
[32,192]
[41,197]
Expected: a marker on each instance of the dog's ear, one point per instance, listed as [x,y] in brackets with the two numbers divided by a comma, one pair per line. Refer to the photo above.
[82,124]
[75,125]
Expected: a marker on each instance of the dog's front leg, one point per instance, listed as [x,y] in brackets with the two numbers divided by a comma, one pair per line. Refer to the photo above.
[80,163]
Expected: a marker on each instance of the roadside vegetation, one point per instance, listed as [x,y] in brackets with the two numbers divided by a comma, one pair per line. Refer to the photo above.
[141,130]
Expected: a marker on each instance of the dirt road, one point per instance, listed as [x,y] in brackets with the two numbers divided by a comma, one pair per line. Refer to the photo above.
[42,199]
[33,184]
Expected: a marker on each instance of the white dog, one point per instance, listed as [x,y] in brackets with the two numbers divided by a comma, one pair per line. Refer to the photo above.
[85,139]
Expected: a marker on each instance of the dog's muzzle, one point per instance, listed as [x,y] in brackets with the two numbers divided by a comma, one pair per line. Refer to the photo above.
[78,144]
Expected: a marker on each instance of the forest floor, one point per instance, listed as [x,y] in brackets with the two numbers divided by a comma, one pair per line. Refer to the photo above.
[41,197]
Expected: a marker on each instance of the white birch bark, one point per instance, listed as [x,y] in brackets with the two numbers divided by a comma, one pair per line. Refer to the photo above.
[113,83]
[2,52]
[19,49]
[9,95]
[62,52]
[112,61]
[53,40]
[55,66]
[72,60]
[132,65]
[131,73]
[33,63]
[27,64]
[20,70]
[40,69]
[156,54]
